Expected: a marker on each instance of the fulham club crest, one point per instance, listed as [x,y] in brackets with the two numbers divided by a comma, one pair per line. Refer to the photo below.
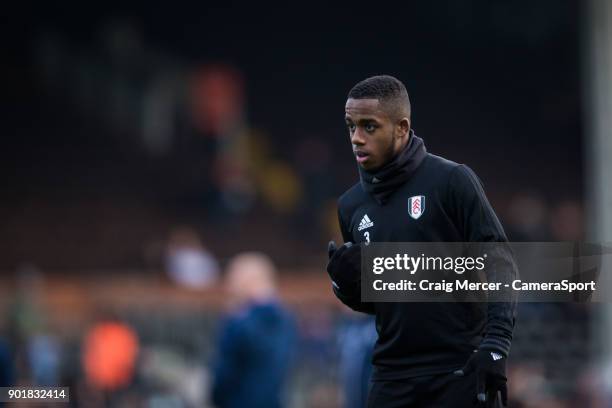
[416,206]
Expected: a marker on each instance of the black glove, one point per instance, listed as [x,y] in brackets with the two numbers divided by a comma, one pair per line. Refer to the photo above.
[490,368]
[344,268]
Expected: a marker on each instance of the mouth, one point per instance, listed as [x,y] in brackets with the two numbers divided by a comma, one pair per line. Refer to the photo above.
[361,156]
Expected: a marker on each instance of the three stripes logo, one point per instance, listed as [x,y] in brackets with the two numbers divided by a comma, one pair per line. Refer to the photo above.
[365,222]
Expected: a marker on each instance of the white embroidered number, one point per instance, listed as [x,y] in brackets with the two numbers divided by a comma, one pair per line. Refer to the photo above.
[367,236]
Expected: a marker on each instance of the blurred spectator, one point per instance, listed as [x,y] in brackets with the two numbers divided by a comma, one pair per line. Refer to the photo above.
[357,338]
[188,262]
[231,173]
[27,317]
[109,354]
[217,99]
[44,359]
[216,160]
[255,346]
[37,351]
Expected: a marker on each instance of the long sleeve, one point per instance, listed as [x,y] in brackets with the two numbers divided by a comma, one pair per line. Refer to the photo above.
[477,222]
[351,300]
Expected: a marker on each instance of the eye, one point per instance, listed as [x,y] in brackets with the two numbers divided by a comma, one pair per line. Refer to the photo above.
[370,127]
[351,127]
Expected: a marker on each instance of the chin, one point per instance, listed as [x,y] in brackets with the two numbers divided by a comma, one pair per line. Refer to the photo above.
[368,166]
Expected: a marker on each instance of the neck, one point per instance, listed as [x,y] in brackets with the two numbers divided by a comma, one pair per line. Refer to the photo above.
[383,181]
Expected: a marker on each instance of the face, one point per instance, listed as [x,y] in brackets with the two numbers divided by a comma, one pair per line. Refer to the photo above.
[375,136]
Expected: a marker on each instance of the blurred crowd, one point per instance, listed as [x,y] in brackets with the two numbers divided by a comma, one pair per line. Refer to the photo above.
[251,349]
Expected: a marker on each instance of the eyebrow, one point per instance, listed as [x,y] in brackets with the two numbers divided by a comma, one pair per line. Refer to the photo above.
[361,121]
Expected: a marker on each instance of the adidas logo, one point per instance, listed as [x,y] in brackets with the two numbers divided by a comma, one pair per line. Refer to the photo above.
[366,222]
[496,356]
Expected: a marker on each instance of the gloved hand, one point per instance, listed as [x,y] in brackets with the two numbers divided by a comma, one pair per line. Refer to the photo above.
[344,268]
[490,368]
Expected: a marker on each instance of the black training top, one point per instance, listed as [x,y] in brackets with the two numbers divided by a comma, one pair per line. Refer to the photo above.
[448,204]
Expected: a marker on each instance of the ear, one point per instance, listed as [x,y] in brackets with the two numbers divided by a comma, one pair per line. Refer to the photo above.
[402,128]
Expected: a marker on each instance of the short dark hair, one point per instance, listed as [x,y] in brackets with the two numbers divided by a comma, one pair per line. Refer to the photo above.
[387,89]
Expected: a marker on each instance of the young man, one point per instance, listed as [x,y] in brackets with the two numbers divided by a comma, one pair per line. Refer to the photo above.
[427,354]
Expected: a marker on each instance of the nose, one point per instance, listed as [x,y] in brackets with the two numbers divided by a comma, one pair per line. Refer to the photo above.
[357,138]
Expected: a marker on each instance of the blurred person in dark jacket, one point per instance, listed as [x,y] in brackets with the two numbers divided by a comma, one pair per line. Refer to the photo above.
[255,344]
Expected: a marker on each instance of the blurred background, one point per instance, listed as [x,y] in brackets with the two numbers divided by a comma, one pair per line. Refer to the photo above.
[145,148]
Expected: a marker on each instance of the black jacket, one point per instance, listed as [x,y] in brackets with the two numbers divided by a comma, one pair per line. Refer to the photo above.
[427,338]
